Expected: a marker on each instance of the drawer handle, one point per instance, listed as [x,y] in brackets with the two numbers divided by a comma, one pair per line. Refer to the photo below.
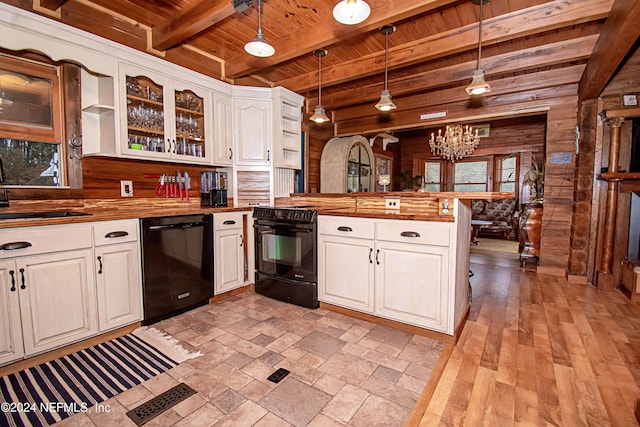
[13,280]
[99,265]
[344,228]
[229,222]
[115,234]
[23,286]
[15,245]
[410,234]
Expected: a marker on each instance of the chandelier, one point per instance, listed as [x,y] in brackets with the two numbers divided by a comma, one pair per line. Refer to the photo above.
[455,143]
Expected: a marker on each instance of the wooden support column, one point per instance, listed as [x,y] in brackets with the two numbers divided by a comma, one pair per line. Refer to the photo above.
[605,279]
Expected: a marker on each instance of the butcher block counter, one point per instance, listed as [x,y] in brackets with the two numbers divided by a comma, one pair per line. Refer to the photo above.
[92,210]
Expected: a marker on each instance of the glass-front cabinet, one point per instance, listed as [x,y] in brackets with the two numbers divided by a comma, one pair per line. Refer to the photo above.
[359,169]
[166,119]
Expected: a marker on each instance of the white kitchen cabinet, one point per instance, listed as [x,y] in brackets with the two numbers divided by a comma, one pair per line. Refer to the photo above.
[410,271]
[164,118]
[287,135]
[346,262]
[411,283]
[253,128]
[118,278]
[11,347]
[222,130]
[52,268]
[229,251]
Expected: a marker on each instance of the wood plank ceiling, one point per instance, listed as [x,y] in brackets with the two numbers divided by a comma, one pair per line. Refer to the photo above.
[433,50]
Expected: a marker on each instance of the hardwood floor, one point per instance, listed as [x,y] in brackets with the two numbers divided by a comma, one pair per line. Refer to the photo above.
[538,350]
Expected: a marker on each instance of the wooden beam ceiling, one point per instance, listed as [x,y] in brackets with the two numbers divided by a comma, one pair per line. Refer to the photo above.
[52,4]
[619,34]
[512,62]
[192,21]
[306,40]
[521,23]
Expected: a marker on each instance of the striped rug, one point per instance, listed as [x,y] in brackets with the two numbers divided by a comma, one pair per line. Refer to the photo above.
[52,391]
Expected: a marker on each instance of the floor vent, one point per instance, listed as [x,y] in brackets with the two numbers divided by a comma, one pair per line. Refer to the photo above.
[156,406]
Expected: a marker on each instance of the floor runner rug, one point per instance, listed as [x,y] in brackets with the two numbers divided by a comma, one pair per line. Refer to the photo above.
[52,391]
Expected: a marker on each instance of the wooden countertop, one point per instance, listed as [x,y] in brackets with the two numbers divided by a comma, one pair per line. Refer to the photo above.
[105,210]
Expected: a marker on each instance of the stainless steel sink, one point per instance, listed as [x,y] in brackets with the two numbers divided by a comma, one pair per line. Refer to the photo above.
[36,215]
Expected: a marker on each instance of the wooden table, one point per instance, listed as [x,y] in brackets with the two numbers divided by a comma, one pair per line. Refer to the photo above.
[476,225]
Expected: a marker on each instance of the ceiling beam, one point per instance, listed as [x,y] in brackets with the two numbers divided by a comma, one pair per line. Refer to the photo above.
[433,100]
[52,4]
[328,33]
[619,34]
[534,20]
[512,62]
[190,22]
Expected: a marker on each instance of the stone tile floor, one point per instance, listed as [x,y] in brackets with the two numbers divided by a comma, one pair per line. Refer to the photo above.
[344,371]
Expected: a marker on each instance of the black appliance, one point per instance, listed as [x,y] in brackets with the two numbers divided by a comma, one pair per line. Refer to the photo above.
[177,264]
[286,254]
[213,189]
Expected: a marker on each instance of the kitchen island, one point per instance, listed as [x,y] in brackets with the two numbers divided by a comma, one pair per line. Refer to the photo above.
[408,265]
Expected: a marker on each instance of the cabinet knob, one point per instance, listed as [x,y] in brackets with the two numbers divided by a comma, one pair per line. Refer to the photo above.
[377,254]
[230,153]
[370,252]
[99,265]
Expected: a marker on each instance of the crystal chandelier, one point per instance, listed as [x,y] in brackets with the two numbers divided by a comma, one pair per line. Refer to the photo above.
[455,143]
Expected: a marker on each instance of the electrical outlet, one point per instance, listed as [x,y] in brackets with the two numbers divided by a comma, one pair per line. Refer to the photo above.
[392,203]
[126,188]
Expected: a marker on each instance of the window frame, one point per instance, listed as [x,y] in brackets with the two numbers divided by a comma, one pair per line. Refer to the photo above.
[498,172]
[490,169]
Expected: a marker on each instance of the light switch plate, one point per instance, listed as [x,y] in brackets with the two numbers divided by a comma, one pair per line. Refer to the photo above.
[126,188]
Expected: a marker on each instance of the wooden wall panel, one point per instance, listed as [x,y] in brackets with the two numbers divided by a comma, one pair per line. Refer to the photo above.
[317,136]
[102,175]
[253,188]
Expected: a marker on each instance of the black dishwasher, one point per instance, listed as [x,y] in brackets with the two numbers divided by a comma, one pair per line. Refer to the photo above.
[177,264]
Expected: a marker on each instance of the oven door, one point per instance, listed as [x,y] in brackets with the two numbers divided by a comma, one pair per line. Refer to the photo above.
[286,249]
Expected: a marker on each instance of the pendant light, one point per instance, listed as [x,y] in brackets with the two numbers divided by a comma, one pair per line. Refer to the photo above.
[319,115]
[385,103]
[478,85]
[259,46]
[351,12]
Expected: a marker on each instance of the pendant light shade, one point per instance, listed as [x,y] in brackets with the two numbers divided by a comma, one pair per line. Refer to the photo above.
[478,85]
[385,103]
[351,12]
[319,115]
[259,46]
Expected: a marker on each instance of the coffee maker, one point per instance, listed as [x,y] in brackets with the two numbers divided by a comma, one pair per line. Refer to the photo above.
[213,189]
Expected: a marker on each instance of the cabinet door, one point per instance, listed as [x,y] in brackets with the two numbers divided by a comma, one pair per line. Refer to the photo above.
[118,285]
[411,284]
[346,272]
[229,259]
[11,347]
[191,118]
[57,302]
[144,115]
[222,136]
[253,131]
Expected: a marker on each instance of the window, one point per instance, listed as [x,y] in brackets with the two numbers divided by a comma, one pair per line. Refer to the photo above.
[30,123]
[470,176]
[506,174]
[432,176]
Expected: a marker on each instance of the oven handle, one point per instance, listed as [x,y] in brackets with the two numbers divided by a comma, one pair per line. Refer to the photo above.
[287,227]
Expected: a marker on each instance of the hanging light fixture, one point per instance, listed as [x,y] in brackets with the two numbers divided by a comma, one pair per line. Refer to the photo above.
[478,85]
[455,143]
[259,46]
[319,115]
[351,12]
[385,103]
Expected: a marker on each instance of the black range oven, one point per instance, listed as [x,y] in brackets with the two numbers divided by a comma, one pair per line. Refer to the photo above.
[286,254]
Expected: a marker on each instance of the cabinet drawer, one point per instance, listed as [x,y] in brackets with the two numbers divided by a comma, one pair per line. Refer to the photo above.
[227,220]
[420,232]
[346,227]
[45,239]
[110,232]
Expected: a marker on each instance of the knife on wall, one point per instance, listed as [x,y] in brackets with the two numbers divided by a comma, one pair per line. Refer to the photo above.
[180,183]
[187,184]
